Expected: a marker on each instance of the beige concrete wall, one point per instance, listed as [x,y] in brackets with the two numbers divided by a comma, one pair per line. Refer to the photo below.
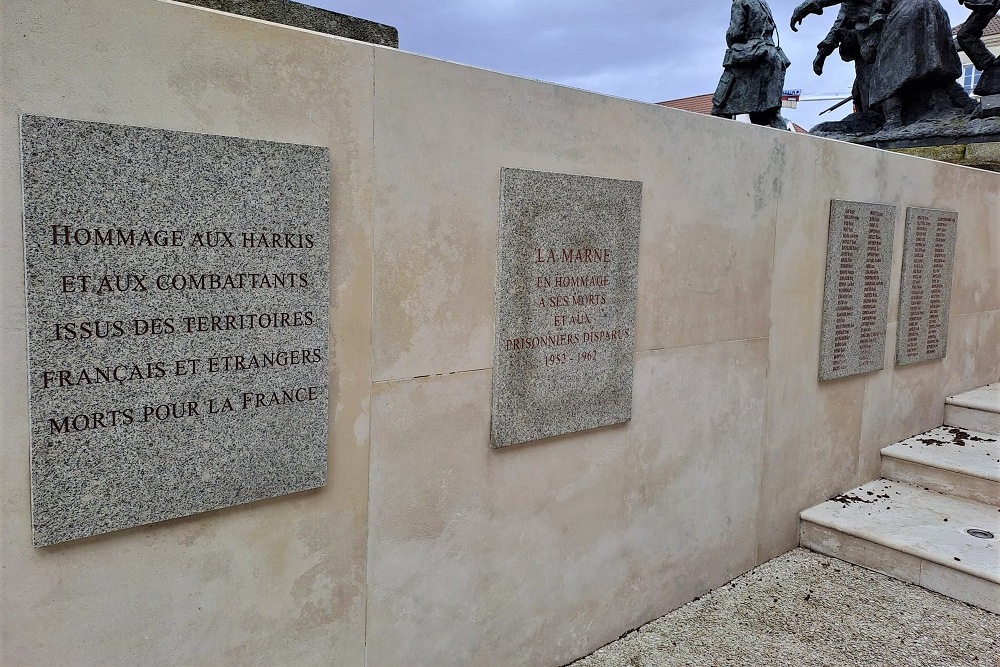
[276,582]
[440,550]
[825,438]
[540,553]
[535,554]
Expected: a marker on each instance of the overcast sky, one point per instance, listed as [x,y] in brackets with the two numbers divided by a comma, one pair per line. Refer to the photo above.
[638,49]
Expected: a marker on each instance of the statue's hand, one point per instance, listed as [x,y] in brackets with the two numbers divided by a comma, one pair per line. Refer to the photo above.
[802,11]
[797,17]
[818,63]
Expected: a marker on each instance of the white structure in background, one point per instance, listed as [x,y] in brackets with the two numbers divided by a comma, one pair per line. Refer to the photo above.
[790,98]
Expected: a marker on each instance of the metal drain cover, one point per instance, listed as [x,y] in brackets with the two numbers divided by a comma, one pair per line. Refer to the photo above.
[981,534]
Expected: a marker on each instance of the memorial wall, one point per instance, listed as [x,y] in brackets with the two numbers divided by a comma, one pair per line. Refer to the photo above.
[318,352]
[186,124]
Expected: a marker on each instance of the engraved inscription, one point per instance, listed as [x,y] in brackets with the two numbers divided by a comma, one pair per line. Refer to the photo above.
[855,300]
[565,304]
[177,290]
[570,300]
[925,292]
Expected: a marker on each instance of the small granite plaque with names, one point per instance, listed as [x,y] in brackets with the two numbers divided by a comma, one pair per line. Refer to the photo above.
[925,292]
[567,271]
[177,288]
[856,295]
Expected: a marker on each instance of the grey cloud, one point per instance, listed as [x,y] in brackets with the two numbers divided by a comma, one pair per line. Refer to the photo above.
[638,49]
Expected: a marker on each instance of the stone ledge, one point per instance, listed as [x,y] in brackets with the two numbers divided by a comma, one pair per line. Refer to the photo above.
[980,155]
[298,15]
[985,398]
[911,521]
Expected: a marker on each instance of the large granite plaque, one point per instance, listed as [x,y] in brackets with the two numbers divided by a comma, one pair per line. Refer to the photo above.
[565,304]
[856,295]
[177,290]
[925,291]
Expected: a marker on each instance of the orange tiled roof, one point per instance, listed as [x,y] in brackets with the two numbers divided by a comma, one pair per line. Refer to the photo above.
[703,104]
[993,28]
[696,103]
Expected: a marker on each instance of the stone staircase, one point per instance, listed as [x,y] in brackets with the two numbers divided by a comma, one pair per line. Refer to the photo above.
[934,517]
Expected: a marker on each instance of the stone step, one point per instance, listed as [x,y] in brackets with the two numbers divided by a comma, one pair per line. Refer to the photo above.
[914,535]
[950,460]
[976,410]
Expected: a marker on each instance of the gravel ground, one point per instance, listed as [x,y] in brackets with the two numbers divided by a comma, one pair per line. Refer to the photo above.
[803,609]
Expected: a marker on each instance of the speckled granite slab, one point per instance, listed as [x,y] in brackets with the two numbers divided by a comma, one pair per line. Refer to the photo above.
[177,291]
[300,15]
[567,269]
[925,291]
[856,295]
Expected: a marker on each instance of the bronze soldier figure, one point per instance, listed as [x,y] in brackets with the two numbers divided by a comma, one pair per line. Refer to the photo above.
[913,61]
[970,39]
[853,35]
[754,67]
[970,35]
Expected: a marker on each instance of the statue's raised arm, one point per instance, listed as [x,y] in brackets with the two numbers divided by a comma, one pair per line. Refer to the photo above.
[810,7]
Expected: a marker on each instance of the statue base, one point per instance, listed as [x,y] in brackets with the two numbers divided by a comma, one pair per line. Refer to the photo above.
[957,129]
[989,106]
[989,81]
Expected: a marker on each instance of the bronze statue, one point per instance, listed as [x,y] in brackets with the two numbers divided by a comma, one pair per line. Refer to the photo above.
[754,67]
[970,39]
[855,38]
[909,61]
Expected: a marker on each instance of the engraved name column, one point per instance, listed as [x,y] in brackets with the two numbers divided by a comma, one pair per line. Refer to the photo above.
[925,291]
[856,295]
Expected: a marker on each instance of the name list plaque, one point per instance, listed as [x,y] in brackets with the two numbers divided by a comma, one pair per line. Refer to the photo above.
[856,294]
[567,272]
[177,288]
[925,291]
